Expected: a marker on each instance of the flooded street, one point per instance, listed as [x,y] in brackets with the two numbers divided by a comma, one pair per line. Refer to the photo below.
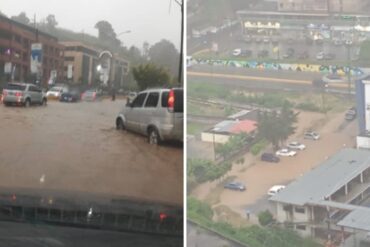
[75,146]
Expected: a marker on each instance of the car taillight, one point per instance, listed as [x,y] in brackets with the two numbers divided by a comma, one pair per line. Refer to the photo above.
[18,94]
[171,100]
[162,216]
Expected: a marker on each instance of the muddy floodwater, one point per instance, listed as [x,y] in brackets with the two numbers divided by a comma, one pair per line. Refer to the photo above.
[75,146]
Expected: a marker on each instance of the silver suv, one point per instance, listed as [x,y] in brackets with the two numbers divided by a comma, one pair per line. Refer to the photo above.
[156,113]
[23,94]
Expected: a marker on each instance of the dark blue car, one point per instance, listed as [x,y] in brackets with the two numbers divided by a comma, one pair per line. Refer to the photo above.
[70,96]
[235,186]
[269,157]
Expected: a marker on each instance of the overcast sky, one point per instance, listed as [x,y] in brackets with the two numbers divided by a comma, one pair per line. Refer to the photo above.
[149,20]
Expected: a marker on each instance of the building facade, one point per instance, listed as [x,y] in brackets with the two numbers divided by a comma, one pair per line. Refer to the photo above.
[80,62]
[81,65]
[331,6]
[16,41]
[319,203]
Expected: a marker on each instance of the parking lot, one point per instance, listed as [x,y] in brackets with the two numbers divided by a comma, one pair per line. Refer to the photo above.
[259,176]
[277,45]
[75,146]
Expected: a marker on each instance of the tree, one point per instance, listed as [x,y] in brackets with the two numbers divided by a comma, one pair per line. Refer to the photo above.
[277,127]
[22,18]
[164,53]
[51,22]
[149,75]
[107,35]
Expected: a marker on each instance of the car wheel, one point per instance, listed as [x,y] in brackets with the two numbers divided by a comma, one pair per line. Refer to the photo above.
[27,103]
[153,137]
[119,124]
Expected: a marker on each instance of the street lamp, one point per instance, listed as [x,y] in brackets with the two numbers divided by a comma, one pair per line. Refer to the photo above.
[127,31]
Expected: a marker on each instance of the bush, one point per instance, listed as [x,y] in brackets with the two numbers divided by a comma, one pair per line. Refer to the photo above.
[258,147]
[265,218]
[308,106]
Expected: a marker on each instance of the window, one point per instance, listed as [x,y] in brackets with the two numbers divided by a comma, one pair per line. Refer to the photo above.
[152,100]
[179,100]
[300,210]
[69,58]
[301,227]
[139,100]
[165,99]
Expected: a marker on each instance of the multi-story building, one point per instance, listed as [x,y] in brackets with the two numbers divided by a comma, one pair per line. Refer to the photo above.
[332,6]
[332,199]
[16,40]
[81,64]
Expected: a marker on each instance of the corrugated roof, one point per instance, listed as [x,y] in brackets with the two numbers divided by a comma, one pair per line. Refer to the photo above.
[326,178]
[243,126]
[357,219]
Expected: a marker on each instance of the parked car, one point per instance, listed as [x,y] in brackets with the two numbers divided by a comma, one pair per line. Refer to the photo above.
[311,135]
[334,78]
[338,42]
[266,39]
[329,56]
[263,53]
[348,42]
[275,189]
[72,95]
[156,113]
[286,152]
[237,52]
[270,157]
[319,83]
[289,53]
[296,145]
[303,55]
[248,39]
[320,55]
[91,94]
[56,91]
[351,114]
[246,53]
[235,186]
[24,94]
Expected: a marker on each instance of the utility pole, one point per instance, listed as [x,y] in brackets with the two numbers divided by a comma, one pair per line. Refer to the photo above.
[181,4]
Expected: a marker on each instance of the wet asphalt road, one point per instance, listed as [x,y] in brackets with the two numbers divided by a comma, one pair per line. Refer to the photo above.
[75,146]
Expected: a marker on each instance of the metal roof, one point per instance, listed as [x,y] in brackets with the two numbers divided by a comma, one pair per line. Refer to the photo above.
[357,219]
[321,182]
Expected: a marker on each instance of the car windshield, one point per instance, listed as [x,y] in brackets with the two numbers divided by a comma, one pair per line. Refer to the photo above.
[82,162]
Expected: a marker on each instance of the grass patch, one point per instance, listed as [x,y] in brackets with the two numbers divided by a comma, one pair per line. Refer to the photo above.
[227,215]
[195,128]
[214,195]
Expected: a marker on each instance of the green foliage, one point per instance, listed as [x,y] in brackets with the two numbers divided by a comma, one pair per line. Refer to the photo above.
[200,209]
[228,110]
[253,236]
[206,91]
[165,54]
[365,51]
[205,170]
[265,218]
[233,145]
[277,127]
[149,75]
[264,100]
[308,106]
[258,147]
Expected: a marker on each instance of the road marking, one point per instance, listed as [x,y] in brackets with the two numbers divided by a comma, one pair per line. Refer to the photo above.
[245,77]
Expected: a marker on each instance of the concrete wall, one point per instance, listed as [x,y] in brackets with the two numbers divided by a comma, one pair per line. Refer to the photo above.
[363,142]
[217,138]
